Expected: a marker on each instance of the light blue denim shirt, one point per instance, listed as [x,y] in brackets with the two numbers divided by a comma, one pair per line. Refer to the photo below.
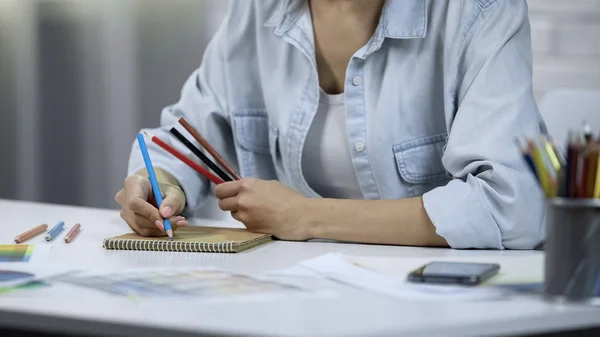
[434,102]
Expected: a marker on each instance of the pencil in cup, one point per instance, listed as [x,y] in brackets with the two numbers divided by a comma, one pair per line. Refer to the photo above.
[185,159]
[72,233]
[154,182]
[547,181]
[200,155]
[31,233]
[590,173]
[190,129]
[527,157]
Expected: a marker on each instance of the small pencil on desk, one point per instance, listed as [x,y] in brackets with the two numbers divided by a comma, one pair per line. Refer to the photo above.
[154,182]
[72,233]
[31,233]
[54,231]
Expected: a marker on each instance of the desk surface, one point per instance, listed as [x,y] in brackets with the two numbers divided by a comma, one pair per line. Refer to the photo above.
[346,312]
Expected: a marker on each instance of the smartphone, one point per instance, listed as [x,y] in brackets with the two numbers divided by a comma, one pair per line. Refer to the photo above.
[454,273]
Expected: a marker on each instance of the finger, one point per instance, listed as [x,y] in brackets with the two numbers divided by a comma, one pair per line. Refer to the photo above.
[138,224]
[239,216]
[229,204]
[160,226]
[173,202]
[236,215]
[179,221]
[228,189]
[142,222]
[176,222]
[146,227]
[137,187]
[143,208]
[120,196]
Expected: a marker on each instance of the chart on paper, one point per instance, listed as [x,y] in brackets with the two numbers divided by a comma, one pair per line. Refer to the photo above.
[23,253]
[203,282]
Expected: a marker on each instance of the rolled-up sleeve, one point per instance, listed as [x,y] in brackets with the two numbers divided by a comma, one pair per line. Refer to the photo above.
[203,104]
[493,201]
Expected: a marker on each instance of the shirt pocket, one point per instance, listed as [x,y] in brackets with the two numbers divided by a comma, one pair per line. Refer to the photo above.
[419,163]
[251,131]
[275,150]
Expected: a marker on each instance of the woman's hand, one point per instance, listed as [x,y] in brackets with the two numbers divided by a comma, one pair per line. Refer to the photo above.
[266,207]
[139,205]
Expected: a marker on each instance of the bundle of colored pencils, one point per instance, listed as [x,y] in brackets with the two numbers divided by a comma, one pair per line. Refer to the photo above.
[577,176]
[219,175]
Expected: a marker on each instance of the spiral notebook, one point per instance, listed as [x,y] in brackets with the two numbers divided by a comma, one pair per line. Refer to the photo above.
[192,239]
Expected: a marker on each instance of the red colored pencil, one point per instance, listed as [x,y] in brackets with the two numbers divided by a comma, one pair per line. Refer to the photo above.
[185,159]
[69,237]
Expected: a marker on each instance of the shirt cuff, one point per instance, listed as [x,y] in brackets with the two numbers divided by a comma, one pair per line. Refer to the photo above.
[461,216]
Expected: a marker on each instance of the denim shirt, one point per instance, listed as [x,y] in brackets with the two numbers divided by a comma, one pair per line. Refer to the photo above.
[434,102]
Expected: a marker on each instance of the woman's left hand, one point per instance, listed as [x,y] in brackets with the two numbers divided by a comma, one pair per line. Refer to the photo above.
[266,207]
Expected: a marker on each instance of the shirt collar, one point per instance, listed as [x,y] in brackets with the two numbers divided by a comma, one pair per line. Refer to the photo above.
[400,19]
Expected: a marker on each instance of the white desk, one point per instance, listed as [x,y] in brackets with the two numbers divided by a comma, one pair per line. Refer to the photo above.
[348,312]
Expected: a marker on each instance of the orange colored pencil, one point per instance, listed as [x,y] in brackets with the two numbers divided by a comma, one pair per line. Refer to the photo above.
[31,233]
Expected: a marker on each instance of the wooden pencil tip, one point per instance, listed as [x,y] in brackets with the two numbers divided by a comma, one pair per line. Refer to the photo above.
[147,134]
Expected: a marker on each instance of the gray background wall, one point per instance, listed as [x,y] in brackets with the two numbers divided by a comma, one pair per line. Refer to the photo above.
[566,44]
[78,78]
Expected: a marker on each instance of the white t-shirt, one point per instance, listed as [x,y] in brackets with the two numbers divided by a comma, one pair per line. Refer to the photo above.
[326,162]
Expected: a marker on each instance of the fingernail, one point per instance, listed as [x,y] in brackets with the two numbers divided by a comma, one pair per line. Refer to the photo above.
[160,225]
[181,223]
[167,211]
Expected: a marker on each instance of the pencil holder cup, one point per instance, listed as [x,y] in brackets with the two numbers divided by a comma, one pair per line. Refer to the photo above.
[572,264]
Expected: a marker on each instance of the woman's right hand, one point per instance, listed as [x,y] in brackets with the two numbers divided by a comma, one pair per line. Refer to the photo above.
[139,207]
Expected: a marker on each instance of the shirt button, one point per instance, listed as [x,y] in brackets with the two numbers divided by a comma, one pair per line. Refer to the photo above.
[359,147]
[356,80]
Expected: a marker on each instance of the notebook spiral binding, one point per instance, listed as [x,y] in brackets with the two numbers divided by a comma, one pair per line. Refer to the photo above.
[169,246]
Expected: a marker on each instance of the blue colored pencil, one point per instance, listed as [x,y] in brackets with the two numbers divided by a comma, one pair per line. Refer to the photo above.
[527,157]
[54,231]
[153,181]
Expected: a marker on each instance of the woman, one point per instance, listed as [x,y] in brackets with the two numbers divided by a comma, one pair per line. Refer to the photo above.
[373,121]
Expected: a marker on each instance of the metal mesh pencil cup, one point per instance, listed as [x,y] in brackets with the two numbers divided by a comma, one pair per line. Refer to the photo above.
[572,264]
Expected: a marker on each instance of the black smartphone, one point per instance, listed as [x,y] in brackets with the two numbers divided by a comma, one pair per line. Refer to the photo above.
[454,273]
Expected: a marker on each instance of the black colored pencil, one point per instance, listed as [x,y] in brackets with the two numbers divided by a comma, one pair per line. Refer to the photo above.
[200,155]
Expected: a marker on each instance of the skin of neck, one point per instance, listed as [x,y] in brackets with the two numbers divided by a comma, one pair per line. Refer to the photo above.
[369,10]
